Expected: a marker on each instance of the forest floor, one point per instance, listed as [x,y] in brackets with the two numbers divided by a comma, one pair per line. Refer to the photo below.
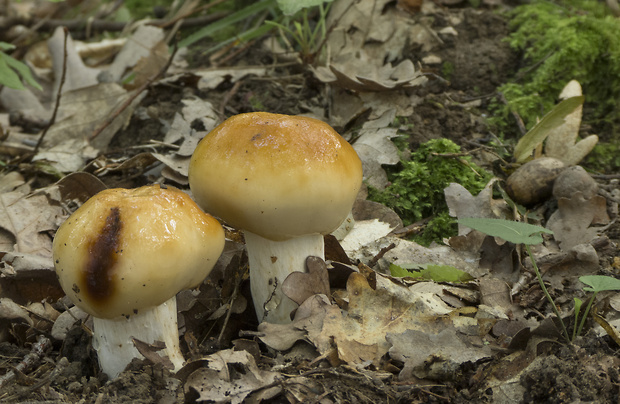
[499,343]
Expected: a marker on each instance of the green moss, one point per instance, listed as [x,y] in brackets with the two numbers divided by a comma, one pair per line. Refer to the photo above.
[447,69]
[574,39]
[605,158]
[416,190]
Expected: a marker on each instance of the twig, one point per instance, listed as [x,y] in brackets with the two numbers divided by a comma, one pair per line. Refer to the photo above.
[233,297]
[228,96]
[380,255]
[137,92]
[184,15]
[60,366]
[518,119]
[98,25]
[58,95]
[605,176]
[39,349]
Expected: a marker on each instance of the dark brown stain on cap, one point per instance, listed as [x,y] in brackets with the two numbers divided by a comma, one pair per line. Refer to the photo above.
[103,254]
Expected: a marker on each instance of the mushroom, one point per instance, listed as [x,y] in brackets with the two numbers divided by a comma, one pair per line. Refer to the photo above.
[286,181]
[124,255]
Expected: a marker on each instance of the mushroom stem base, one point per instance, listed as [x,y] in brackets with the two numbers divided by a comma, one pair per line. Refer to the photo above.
[113,337]
[270,263]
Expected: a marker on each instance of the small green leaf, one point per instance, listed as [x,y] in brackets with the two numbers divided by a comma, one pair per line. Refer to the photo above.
[599,283]
[431,272]
[6,46]
[401,272]
[578,303]
[7,76]
[23,70]
[514,232]
[540,131]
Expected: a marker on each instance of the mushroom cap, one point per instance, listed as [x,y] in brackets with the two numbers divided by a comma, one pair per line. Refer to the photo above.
[125,250]
[277,176]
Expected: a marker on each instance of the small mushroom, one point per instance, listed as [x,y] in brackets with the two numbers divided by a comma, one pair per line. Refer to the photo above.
[124,255]
[286,181]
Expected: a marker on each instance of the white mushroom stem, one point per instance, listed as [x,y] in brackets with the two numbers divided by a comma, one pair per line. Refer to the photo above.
[113,337]
[270,263]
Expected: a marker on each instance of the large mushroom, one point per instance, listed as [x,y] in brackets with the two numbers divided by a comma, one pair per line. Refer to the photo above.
[124,255]
[286,181]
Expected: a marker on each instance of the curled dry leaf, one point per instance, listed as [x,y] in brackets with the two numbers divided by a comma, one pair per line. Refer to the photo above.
[355,73]
[216,383]
[300,286]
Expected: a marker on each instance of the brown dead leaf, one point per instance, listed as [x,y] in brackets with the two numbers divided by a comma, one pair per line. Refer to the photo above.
[67,156]
[25,223]
[149,351]
[359,334]
[227,376]
[357,73]
[308,320]
[434,356]
[461,203]
[84,110]
[144,45]
[571,222]
[10,181]
[300,286]
[10,310]
[79,186]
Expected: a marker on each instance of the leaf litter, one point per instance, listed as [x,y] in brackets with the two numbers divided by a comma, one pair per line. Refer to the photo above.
[358,335]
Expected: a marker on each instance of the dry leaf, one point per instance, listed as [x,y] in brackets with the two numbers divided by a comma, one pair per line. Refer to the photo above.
[67,156]
[84,110]
[143,44]
[227,376]
[26,222]
[434,356]
[358,73]
[461,203]
[77,75]
[571,222]
[359,334]
[561,140]
[300,286]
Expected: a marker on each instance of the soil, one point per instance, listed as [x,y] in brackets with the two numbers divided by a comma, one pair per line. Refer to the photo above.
[479,61]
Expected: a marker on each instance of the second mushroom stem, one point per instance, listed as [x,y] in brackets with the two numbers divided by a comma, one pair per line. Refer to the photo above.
[270,263]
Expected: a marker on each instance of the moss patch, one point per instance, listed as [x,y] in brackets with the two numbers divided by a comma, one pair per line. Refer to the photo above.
[573,39]
[416,190]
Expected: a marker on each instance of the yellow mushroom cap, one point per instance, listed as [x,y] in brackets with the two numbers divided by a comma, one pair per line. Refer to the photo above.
[125,250]
[277,176]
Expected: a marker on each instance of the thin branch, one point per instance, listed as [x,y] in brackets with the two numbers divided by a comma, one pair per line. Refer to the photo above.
[58,95]
[98,25]
[137,92]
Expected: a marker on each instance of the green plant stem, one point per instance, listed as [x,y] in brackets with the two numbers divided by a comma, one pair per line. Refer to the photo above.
[585,314]
[546,292]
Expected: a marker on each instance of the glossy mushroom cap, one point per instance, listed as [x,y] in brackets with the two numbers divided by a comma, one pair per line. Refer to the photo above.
[126,250]
[277,176]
